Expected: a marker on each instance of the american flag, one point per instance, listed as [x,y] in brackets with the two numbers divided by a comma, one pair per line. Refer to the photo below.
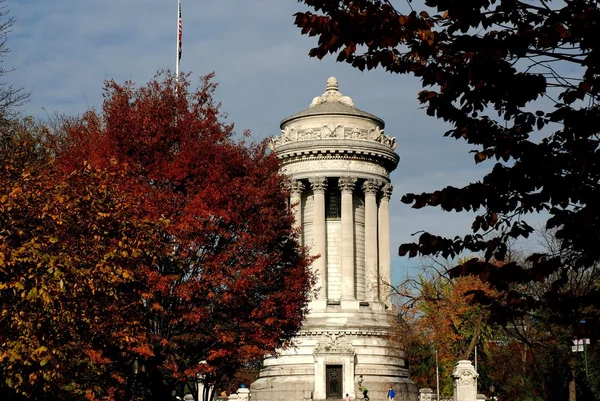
[179,29]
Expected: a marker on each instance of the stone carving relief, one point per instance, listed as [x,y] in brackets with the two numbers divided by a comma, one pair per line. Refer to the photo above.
[346,184]
[318,184]
[332,131]
[289,134]
[334,343]
[375,134]
[371,186]
[387,191]
[296,187]
[309,134]
[466,377]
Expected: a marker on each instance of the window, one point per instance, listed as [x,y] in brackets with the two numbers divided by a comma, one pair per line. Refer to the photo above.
[333,204]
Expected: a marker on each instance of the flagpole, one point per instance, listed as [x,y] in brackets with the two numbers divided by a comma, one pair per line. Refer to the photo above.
[178,38]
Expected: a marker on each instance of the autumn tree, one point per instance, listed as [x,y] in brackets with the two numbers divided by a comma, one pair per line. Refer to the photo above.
[530,357]
[439,317]
[179,238]
[519,83]
[69,246]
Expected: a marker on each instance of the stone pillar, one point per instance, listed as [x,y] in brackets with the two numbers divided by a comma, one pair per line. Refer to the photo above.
[348,385]
[296,202]
[465,388]
[319,185]
[426,394]
[319,389]
[370,188]
[385,265]
[243,394]
[347,247]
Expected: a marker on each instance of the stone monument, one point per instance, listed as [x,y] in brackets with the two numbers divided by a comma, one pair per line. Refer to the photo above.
[465,381]
[339,161]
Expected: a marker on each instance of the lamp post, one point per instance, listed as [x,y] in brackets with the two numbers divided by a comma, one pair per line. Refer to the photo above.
[135,366]
[437,376]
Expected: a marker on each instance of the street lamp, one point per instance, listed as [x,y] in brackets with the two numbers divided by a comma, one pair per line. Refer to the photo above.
[135,366]
[492,389]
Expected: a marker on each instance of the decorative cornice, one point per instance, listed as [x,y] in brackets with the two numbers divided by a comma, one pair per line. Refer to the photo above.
[389,160]
[358,333]
[332,131]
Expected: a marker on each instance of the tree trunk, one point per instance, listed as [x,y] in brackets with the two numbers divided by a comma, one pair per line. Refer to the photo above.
[475,339]
[572,385]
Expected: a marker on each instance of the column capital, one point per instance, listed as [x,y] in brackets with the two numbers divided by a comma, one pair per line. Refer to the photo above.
[387,191]
[318,184]
[371,186]
[346,184]
[296,187]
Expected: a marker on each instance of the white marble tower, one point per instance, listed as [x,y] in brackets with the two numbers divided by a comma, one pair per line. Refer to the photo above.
[340,160]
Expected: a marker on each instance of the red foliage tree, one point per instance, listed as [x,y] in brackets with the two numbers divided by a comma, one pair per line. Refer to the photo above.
[227,280]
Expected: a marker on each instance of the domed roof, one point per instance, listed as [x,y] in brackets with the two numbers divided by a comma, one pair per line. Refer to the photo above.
[332,137]
[332,102]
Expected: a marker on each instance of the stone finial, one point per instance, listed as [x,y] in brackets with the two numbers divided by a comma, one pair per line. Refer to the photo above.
[332,84]
[332,94]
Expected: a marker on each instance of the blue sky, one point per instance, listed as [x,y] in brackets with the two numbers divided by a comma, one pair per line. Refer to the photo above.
[63,51]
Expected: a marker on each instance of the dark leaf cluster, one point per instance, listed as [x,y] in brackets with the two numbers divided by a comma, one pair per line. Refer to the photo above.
[519,82]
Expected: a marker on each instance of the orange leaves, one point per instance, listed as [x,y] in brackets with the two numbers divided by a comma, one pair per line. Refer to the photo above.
[443,316]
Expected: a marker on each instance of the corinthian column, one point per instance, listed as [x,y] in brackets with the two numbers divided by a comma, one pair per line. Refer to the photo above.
[384,244]
[371,187]
[296,202]
[347,187]
[319,185]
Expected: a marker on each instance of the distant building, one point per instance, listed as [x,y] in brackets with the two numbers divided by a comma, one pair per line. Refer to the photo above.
[340,160]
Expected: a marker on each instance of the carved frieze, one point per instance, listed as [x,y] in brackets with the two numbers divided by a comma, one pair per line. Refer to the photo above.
[332,131]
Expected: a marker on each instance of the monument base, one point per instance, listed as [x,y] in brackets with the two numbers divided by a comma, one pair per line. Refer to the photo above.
[336,346]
